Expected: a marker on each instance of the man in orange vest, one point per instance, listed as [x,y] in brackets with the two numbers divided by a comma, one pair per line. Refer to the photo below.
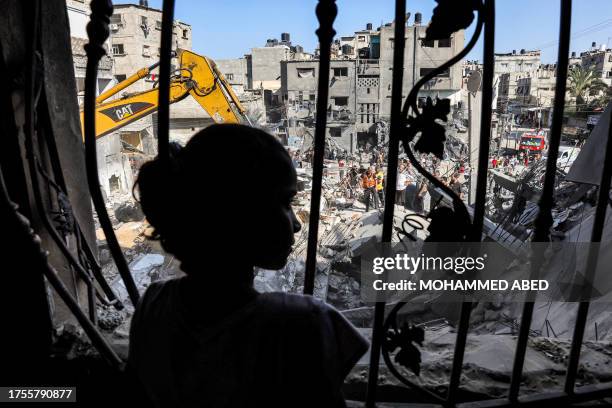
[368,182]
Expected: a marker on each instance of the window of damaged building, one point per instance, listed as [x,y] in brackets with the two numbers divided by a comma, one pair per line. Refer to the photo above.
[118,49]
[131,140]
[428,43]
[116,19]
[444,43]
[425,71]
[305,72]
[340,100]
[340,72]
[335,131]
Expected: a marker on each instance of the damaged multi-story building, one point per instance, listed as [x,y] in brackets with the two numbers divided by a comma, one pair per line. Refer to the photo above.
[535,91]
[361,75]
[599,59]
[134,43]
[114,169]
[78,16]
[508,68]
[135,37]
[256,78]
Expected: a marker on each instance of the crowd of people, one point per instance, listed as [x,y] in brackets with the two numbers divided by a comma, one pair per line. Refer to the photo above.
[412,190]
[368,184]
[513,164]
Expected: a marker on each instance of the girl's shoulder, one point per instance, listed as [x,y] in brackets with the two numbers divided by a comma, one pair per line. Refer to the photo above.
[293,304]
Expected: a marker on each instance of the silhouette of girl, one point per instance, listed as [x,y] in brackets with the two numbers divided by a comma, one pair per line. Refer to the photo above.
[222,205]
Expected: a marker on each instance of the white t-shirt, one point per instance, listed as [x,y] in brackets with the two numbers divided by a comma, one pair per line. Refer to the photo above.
[402,177]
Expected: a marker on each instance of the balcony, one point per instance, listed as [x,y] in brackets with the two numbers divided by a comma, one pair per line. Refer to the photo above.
[368,67]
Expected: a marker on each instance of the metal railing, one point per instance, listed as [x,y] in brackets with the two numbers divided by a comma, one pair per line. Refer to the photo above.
[406,122]
[84,264]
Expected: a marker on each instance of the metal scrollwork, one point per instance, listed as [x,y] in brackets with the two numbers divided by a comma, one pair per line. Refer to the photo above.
[448,17]
[98,32]
[446,224]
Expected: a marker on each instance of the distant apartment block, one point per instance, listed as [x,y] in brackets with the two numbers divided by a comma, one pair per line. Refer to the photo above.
[361,74]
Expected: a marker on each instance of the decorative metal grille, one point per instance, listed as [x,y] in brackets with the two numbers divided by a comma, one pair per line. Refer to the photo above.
[406,122]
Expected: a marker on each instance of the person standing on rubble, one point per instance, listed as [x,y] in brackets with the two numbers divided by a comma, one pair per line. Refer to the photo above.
[380,186]
[434,195]
[209,339]
[418,202]
[341,163]
[400,187]
[368,182]
[455,185]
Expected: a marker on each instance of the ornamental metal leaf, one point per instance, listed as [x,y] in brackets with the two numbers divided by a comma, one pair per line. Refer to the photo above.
[433,134]
[450,16]
[447,225]
[403,338]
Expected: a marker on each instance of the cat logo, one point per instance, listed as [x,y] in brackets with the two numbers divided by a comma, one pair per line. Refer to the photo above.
[122,112]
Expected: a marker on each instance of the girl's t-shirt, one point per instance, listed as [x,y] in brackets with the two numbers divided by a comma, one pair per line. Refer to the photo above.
[278,350]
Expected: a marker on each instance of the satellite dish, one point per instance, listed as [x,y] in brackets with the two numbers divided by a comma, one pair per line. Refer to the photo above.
[474,82]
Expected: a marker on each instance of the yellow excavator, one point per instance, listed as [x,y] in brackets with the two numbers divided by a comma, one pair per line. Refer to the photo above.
[197,76]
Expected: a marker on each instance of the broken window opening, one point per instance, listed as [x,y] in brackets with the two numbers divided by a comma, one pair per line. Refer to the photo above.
[335,132]
[428,43]
[114,184]
[305,72]
[340,100]
[443,74]
[444,43]
[132,138]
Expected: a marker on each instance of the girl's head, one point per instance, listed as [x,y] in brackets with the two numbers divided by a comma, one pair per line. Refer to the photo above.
[224,198]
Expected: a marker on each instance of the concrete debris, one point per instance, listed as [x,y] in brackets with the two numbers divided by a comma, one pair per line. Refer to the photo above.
[128,211]
[488,362]
[109,318]
[142,269]
[346,230]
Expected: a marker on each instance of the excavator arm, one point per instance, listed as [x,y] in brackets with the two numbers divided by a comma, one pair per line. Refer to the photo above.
[210,89]
[197,76]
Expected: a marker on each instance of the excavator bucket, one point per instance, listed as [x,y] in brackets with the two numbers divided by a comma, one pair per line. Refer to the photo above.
[209,88]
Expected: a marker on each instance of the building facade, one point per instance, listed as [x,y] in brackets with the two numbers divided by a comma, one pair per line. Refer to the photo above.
[136,39]
[361,77]
[600,61]
[300,81]
[78,17]
[114,170]
[509,67]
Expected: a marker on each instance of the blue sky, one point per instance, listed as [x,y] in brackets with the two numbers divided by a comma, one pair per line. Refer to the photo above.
[229,28]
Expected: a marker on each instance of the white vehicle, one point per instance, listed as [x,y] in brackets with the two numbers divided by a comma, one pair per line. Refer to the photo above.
[567,155]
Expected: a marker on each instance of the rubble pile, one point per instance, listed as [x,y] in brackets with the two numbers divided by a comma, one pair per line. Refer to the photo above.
[346,230]
[488,363]
[513,202]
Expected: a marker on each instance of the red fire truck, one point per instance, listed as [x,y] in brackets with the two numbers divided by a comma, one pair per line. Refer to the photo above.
[533,142]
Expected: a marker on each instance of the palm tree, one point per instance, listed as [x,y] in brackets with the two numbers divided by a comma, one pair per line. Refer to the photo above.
[582,82]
